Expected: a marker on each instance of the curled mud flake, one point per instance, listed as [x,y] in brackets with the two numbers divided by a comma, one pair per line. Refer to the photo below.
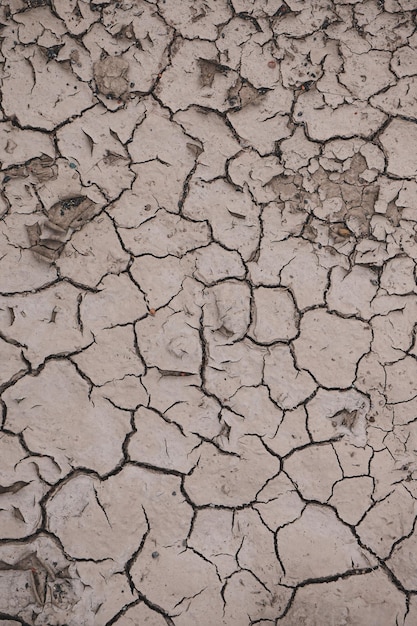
[49,249]
[72,212]
[343,231]
[43,168]
[111,77]
[34,233]
[208,70]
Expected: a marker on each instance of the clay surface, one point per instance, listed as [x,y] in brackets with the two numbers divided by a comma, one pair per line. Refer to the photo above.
[208,313]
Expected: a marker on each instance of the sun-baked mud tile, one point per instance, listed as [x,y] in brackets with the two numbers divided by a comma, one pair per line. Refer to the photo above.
[79,59]
[183,402]
[12,364]
[301,65]
[17,146]
[393,336]
[145,36]
[399,143]
[330,347]
[45,323]
[347,120]
[351,292]
[196,20]
[140,614]
[404,411]
[400,377]
[362,599]
[99,155]
[297,150]
[249,168]
[257,552]
[227,311]
[258,64]
[21,489]
[98,40]
[405,199]
[214,263]
[264,121]
[371,252]
[366,74]
[317,545]
[262,9]
[117,301]
[232,214]
[387,521]
[155,573]
[112,356]
[352,497]
[384,31]
[37,24]
[323,472]
[232,366]
[404,61]
[167,341]
[58,419]
[42,95]
[158,443]
[402,562]
[278,503]
[274,315]
[20,195]
[109,514]
[156,185]
[215,535]
[258,414]
[291,434]
[110,592]
[297,19]
[292,263]
[247,599]
[165,234]
[230,479]
[92,253]
[234,34]
[218,142]
[195,77]
[65,184]
[76,14]
[335,414]
[160,279]
[126,393]
[386,470]
[158,139]
[288,384]
[399,99]
[19,269]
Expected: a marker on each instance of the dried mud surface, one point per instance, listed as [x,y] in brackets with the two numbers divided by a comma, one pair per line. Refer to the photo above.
[208,309]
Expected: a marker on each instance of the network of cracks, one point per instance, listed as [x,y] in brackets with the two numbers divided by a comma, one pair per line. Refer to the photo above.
[208,303]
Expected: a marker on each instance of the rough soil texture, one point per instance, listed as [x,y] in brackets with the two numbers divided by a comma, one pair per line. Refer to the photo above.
[208,313]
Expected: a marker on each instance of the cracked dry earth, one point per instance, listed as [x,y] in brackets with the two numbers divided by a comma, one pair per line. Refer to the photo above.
[208,357]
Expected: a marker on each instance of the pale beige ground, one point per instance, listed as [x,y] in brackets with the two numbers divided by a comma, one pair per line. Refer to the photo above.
[208,313]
